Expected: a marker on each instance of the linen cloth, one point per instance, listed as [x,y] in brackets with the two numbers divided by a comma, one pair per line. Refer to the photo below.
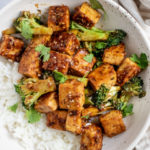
[141,12]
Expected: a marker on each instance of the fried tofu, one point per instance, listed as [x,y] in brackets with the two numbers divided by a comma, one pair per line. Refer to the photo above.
[11,47]
[90,111]
[112,123]
[71,95]
[59,18]
[73,122]
[91,138]
[79,66]
[57,61]
[126,71]
[30,64]
[105,74]
[85,15]
[47,103]
[64,43]
[114,55]
[57,119]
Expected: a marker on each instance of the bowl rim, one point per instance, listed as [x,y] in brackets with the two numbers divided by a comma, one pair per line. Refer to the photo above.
[144,36]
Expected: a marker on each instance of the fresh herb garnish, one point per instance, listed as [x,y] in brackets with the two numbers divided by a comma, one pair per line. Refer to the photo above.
[44,51]
[141,61]
[33,116]
[59,77]
[89,58]
[13,108]
[85,117]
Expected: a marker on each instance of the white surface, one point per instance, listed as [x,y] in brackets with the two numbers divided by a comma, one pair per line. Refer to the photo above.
[136,42]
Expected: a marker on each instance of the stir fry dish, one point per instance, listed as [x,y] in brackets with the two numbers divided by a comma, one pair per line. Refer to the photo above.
[76,74]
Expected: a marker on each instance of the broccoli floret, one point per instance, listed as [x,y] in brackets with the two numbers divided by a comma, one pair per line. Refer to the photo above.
[29,24]
[92,34]
[31,89]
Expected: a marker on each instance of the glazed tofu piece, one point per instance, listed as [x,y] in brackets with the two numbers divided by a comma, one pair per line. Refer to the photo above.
[59,18]
[126,71]
[85,15]
[73,122]
[105,74]
[57,61]
[91,138]
[11,47]
[47,103]
[71,95]
[90,111]
[30,64]
[79,66]
[112,123]
[57,119]
[114,55]
[64,43]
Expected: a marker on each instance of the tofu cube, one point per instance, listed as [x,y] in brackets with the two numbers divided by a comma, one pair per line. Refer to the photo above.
[86,16]
[79,66]
[47,103]
[59,18]
[57,119]
[71,95]
[105,74]
[73,122]
[114,55]
[57,61]
[64,43]
[11,47]
[91,138]
[112,123]
[30,63]
[90,111]
[126,71]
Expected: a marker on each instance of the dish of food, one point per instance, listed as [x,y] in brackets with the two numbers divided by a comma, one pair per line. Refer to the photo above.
[71,76]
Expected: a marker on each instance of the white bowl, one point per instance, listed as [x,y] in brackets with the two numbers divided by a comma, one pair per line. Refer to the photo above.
[146,3]
[136,42]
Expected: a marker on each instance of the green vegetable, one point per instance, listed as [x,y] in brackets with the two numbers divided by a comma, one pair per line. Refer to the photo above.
[95,4]
[127,110]
[89,58]
[28,24]
[97,64]
[59,77]
[31,89]
[100,45]
[85,117]
[13,108]
[93,34]
[44,51]
[141,61]
[33,116]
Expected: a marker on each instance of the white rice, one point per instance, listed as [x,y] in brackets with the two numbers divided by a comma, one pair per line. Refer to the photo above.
[31,136]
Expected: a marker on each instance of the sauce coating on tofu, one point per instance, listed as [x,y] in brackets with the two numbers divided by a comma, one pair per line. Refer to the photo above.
[57,61]
[91,138]
[71,95]
[11,47]
[64,43]
[79,66]
[105,74]
[30,63]
[126,71]
[85,15]
[57,119]
[59,18]
[112,123]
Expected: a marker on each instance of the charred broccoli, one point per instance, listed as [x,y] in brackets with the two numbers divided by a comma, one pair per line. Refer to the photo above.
[29,24]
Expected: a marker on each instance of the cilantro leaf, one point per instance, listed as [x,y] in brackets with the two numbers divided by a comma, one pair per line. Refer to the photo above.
[59,77]
[89,58]
[13,108]
[85,117]
[141,61]
[26,29]
[127,110]
[32,115]
[95,4]
[44,51]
